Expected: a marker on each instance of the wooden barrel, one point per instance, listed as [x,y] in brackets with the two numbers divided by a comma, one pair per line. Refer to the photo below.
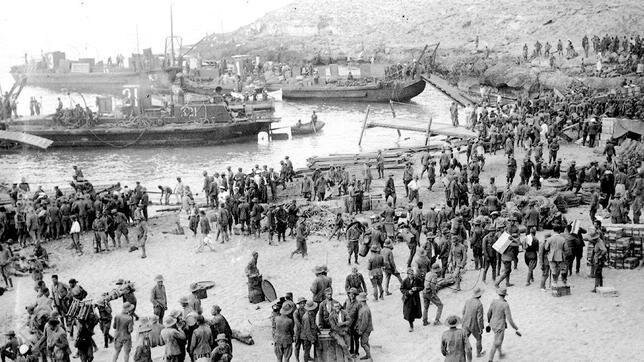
[366,203]
[328,350]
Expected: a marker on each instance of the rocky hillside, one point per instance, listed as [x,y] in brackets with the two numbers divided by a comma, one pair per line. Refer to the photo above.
[398,29]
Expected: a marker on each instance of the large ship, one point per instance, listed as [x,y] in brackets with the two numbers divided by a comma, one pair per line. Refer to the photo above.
[192,124]
[56,73]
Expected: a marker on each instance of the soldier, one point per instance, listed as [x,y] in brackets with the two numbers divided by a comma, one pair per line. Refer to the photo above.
[557,248]
[443,253]
[458,255]
[340,323]
[309,330]
[302,231]
[454,343]
[380,165]
[508,254]
[598,258]
[473,323]
[364,325]
[476,243]
[431,174]
[531,247]
[325,307]
[489,254]
[297,319]
[320,284]
[526,171]
[410,289]
[123,325]
[497,315]
[158,297]
[375,265]
[430,295]
[355,280]
[390,190]
[431,219]
[354,232]
[389,264]
[572,176]
[512,169]
[105,317]
[553,147]
[283,334]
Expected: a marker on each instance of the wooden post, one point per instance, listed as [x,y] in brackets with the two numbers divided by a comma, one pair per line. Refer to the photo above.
[429,127]
[364,124]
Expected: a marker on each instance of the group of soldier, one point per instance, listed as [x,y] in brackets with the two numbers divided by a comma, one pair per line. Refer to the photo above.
[63,320]
[611,44]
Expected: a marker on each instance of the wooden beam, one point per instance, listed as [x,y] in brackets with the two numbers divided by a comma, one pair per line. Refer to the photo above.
[459,132]
[451,92]
[364,125]
[429,127]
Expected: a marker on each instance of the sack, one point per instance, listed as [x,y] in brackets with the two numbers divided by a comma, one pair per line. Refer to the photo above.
[82,293]
[364,249]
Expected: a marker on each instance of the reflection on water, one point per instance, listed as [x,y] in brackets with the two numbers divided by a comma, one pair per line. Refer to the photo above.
[156,166]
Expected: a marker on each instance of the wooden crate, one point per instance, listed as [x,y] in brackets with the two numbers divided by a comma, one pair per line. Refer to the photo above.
[327,349]
[560,291]
[607,291]
[631,263]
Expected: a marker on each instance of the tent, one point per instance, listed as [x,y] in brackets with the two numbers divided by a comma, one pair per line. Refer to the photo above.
[622,126]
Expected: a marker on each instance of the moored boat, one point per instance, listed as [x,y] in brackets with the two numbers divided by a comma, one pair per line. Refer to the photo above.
[307,128]
[55,72]
[379,91]
[195,124]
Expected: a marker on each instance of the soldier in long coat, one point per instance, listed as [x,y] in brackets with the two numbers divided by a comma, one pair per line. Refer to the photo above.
[410,289]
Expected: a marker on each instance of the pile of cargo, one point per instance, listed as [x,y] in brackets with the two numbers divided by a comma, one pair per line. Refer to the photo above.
[624,244]
[572,199]
[586,191]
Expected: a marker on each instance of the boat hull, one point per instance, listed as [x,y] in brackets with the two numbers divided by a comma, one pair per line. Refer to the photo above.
[398,92]
[100,83]
[307,128]
[166,136]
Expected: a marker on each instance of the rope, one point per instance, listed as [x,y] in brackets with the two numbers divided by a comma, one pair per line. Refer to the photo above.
[478,279]
[408,104]
[115,145]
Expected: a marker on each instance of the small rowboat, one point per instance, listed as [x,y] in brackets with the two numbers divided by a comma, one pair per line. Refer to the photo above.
[306,128]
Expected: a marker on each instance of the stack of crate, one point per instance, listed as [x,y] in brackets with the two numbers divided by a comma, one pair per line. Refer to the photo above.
[624,245]
[618,251]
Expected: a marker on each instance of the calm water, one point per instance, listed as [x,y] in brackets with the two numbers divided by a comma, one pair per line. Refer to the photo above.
[158,166]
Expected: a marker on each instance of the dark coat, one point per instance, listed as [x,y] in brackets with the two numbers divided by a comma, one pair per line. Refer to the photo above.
[412,309]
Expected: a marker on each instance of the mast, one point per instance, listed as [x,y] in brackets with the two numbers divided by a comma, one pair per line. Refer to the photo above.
[171,36]
[137,39]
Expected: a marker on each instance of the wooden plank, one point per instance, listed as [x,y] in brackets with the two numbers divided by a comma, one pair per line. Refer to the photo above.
[460,132]
[450,91]
[364,123]
[26,138]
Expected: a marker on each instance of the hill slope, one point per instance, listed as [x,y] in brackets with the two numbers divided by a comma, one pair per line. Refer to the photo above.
[396,30]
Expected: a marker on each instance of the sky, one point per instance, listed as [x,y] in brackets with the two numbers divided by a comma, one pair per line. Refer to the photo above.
[102,28]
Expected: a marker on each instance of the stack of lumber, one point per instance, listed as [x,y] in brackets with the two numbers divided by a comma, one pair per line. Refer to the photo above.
[324,163]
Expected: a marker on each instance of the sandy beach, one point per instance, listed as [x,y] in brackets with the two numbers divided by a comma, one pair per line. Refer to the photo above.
[554,329]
